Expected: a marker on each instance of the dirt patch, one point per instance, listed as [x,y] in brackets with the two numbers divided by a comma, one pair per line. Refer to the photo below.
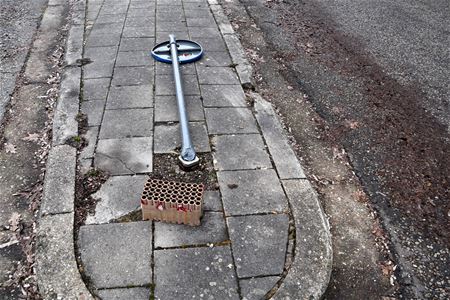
[166,167]
[86,185]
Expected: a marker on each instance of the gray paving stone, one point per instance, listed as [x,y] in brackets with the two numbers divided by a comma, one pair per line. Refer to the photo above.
[198,32]
[113,9]
[117,255]
[111,39]
[55,259]
[124,156]
[101,54]
[142,4]
[94,111]
[138,32]
[238,152]
[139,12]
[59,183]
[171,26]
[257,288]
[165,85]
[145,21]
[98,69]
[107,19]
[215,59]
[122,123]
[211,201]
[134,59]
[164,36]
[133,76]
[230,120]
[195,5]
[205,22]
[101,29]
[195,273]
[217,75]
[310,272]
[198,13]
[169,3]
[171,15]
[118,196]
[137,293]
[212,44]
[282,154]
[168,140]
[166,69]
[91,138]
[133,44]
[95,89]
[84,165]
[166,109]
[251,192]
[211,230]
[259,244]
[223,96]
[134,96]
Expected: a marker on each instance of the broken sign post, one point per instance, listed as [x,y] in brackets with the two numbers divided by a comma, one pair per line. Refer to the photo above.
[179,52]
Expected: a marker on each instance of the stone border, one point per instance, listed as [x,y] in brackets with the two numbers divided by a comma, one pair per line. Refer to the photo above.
[310,271]
[242,66]
[57,272]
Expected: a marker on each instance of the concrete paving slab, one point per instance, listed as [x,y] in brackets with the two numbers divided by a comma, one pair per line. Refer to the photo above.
[171,26]
[226,120]
[168,138]
[215,44]
[251,192]
[133,76]
[259,244]
[133,44]
[217,75]
[138,32]
[134,96]
[125,156]
[108,19]
[215,59]
[94,111]
[142,21]
[136,293]
[197,32]
[117,255]
[166,69]
[166,108]
[110,39]
[165,85]
[95,89]
[211,230]
[212,201]
[134,59]
[123,123]
[195,273]
[118,196]
[223,96]
[257,288]
[238,152]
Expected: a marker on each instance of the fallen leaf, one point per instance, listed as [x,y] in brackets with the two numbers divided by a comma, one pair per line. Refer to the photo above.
[14,221]
[10,148]
[32,137]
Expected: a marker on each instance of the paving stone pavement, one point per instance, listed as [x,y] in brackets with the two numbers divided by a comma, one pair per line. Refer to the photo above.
[240,251]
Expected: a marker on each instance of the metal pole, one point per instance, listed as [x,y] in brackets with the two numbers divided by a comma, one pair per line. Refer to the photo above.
[188,157]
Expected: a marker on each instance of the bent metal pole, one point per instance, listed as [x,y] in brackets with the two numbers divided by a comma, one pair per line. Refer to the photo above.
[188,157]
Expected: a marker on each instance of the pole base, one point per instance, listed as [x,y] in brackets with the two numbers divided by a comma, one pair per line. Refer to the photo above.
[188,165]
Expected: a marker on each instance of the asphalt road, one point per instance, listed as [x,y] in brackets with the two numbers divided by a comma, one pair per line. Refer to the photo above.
[376,72]
[19,20]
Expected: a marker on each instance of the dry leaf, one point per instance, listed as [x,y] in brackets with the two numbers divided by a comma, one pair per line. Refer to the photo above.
[14,221]
[32,137]
[10,148]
